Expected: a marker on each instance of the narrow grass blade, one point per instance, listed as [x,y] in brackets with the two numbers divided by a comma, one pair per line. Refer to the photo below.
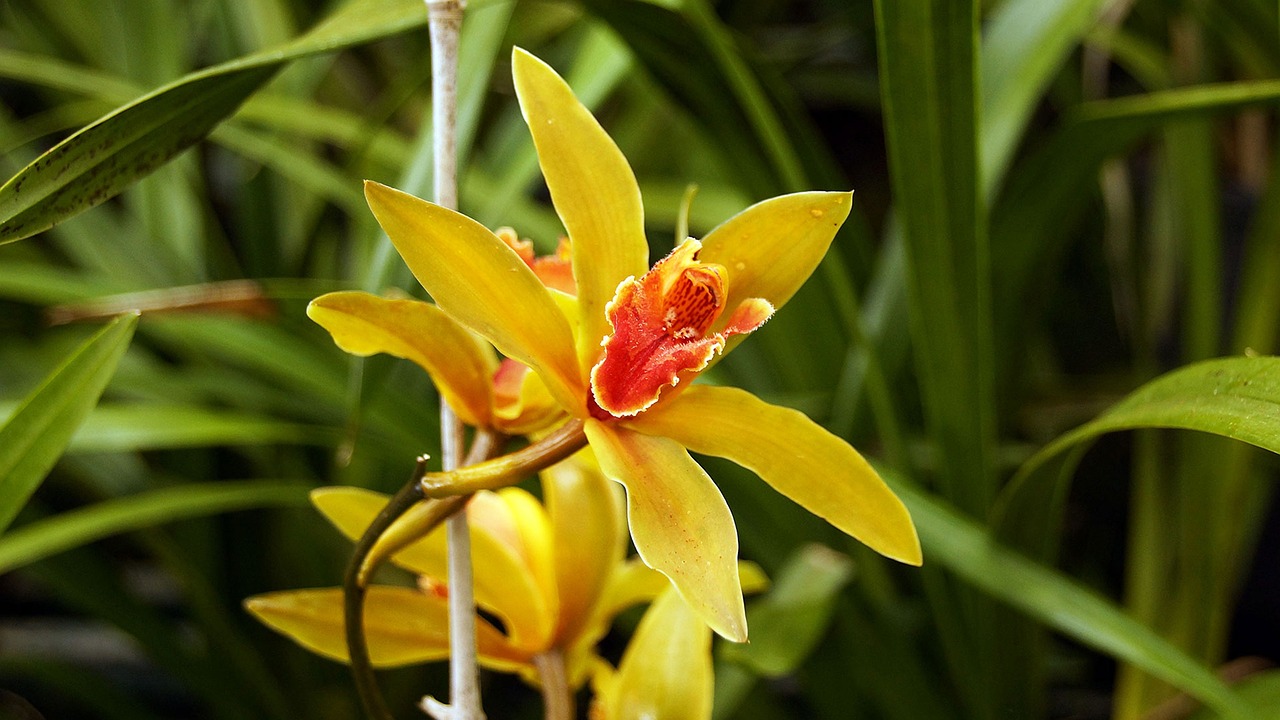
[968,550]
[1042,201]
[38,432]
[1024,45]
[927,78]
[43,538]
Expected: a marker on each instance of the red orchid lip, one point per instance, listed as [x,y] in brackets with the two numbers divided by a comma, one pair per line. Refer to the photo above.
[662,331]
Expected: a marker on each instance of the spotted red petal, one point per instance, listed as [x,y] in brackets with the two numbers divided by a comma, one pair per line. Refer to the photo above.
[643,356]
[662,330]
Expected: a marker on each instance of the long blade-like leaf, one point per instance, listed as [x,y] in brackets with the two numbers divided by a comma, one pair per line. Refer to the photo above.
[43,538]
[35,436]
[1041,203]
[101,160]
[968,550]
[927,58]
[1025,44]
[1237,398]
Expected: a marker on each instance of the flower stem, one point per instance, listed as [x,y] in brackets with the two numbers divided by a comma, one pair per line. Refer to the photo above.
[557,700]
[445,17]
[369,554]
[508,469]
[353,594]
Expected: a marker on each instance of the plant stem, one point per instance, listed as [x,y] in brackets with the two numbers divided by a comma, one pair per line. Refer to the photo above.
[557,701]
[365,561]
[353,590]
[508,469]
[464,674]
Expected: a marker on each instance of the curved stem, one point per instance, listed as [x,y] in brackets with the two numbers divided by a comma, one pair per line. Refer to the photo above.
[557,699]
[508,469]
[369,554]
[353,592]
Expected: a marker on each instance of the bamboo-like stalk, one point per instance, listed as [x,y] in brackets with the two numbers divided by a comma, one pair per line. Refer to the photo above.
[445,17]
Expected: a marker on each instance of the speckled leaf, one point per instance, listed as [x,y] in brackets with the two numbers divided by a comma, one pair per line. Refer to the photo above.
[102,159]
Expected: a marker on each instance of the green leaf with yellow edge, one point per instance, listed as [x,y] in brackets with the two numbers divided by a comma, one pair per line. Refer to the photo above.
[679,521]
[459,362]
[770,249]
[38,432]
[74,528]
[104,158]
[504,584]
[796,456]
[666,671]
[479,281]
[402,625]
[593,190]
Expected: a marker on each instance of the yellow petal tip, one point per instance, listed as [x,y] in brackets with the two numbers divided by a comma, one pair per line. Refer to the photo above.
[911,554]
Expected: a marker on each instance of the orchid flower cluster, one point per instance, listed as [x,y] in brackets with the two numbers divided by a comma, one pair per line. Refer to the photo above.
[593,352]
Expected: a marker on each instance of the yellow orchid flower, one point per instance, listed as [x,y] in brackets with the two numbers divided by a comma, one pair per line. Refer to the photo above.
[553,575]
[666,671]
[619,358]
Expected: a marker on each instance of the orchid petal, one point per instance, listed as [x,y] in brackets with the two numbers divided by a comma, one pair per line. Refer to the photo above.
[795,455]
[772,247]
[478,280]
[631,584]
[666,671]
[504,584]
[403,625]
[535,547]
[679,521]
[593,189]
[589,536]
[459,362]
[522,404]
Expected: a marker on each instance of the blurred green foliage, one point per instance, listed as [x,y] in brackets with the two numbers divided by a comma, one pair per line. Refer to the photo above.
[1057,201]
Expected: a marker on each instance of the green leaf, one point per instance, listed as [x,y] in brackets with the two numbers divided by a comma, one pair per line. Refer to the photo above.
[101,160]
[968,550]
[927,79]
[133,427]
[1237,398]
[695,58]
[787,622]
[1043,196]
[1262,690]
[1024,44]
[43,538]
[35,436]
